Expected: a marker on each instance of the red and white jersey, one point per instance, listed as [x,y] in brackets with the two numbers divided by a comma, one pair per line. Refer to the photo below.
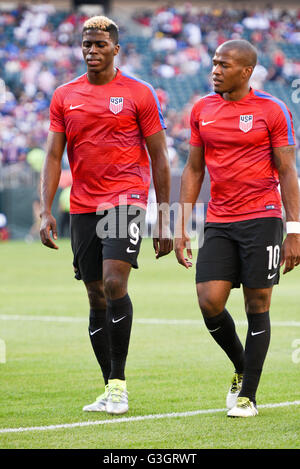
[105,127]
[238,137]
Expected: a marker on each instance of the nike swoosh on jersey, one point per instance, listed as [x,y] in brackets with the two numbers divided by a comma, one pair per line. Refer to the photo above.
[208,122]
[271,276]
[74,107]
[256,333]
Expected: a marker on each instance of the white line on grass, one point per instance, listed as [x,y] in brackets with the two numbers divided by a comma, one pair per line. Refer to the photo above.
[23,317]
[135,419]
[155,321]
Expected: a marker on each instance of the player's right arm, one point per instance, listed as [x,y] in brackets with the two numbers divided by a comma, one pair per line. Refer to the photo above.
[191,182]
[49,183]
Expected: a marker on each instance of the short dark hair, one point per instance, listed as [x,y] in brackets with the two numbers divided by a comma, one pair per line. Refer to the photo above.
[247,51]
[102,23]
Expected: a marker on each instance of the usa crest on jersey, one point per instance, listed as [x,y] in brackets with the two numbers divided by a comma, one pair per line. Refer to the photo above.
[246,123]
[116,104]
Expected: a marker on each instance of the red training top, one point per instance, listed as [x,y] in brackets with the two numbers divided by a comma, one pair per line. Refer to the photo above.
[238,137]
[105,127]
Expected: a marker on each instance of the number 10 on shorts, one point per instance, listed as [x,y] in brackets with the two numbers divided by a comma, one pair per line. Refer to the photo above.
[274,256]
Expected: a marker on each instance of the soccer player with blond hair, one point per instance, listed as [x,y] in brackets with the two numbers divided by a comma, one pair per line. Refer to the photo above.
[109,121]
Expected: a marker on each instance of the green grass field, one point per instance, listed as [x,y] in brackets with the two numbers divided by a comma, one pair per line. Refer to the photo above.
[173,366]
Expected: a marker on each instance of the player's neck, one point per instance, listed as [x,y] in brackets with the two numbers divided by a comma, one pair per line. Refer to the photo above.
[103,77]
[236,95]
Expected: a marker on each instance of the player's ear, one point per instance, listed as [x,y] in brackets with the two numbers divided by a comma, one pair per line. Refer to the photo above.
[248,72]
[116,49]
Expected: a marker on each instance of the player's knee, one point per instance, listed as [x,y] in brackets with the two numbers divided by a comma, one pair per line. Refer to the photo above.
[96,295]
[211,300]
[209,306]
[257,303]
[114,287]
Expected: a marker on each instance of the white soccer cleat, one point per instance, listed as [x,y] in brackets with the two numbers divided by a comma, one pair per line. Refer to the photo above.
[100,403]
[117,401]
[234,390]
[243,408]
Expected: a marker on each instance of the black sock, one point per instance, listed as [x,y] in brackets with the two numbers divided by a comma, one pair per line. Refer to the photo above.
[119,316]
[98,332]
[222,329]
[257,344]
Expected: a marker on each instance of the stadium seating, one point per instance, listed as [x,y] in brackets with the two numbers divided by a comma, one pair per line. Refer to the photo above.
[58,54]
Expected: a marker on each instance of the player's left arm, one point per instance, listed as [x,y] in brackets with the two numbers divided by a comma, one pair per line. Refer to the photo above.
[285,162]
[157,148]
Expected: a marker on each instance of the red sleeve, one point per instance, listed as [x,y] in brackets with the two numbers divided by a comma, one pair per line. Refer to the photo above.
[57,122]
[281,127]
[195,139]
[150,115]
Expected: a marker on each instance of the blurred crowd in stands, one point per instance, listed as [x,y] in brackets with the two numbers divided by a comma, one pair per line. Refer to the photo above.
[190,37]
[40,49]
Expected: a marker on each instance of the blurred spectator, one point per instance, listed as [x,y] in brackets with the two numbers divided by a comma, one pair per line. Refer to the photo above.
[163,43]
[258,20]
[192,34]
[259,77]
[163,98]
[4,232]
[35,159]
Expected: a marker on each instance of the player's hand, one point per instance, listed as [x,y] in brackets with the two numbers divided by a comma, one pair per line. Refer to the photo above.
[180,245]
[163,242]
[290,252]
[48,225]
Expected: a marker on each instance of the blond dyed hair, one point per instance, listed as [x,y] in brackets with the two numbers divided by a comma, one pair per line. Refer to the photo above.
[102,23]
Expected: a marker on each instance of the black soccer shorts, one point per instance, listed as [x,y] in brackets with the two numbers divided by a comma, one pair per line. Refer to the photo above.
[243,252]
[114,234]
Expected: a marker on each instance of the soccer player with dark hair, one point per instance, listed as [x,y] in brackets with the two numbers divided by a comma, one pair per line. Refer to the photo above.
[245,138]
[109,120]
